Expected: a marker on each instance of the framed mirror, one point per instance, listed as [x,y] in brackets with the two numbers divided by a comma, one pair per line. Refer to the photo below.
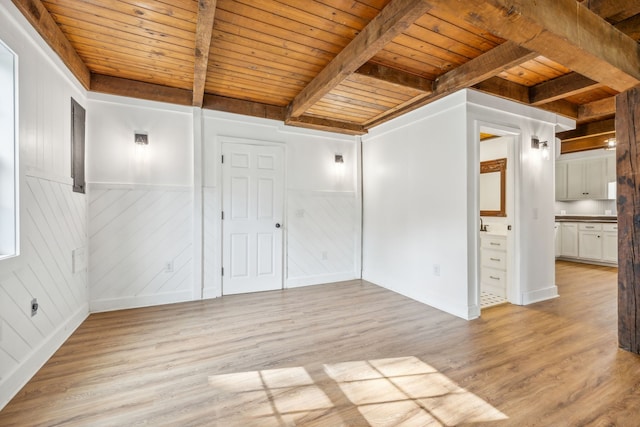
[493,187]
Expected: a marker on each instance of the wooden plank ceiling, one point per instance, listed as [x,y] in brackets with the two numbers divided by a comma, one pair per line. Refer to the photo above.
[348,65]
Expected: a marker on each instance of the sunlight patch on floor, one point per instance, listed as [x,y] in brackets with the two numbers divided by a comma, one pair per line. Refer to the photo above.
[383,392]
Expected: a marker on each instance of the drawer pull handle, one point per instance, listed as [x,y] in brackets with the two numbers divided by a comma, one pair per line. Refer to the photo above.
[588,226]
[494,278]
[495,244]
[494,259]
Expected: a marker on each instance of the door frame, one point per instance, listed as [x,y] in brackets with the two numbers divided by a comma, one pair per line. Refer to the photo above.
[219,198]
[514,291]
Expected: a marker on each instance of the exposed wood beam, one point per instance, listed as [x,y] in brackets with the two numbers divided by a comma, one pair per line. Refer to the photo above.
[630,27]
[137,89]
[561,87]
[614,10]
[564,31]
[505,89]
[562,107]
[240,106]
[396,77]
[481,68]
[587,143]
[587,136]
[597,110]
[396,17]
[319,123]
[41,20]
[588,129]
[628,201]
[275,112]
[204,28]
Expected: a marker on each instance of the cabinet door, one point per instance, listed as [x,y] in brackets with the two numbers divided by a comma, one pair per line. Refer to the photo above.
[595,178]
[612,175]
[610,246]
[590,245]
[575,180]
[561,180]
[558,239]
[569,237]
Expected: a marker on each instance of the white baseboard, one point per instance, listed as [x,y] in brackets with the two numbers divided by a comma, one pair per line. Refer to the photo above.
[111,304]
[297,282]
[208,293]
[462,311]
[16,379]
[540,295]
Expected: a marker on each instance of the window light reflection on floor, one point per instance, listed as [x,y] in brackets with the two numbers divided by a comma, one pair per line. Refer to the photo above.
[384,392]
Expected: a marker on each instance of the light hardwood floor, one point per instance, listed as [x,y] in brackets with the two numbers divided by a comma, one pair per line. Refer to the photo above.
[348,354]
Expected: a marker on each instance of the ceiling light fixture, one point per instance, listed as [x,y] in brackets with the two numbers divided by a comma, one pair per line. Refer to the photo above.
[611,144]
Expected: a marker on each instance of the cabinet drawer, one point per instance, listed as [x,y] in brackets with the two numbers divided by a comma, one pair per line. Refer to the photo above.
[494,259]
[590,226]
[609,227]
[494,242]
[494,277]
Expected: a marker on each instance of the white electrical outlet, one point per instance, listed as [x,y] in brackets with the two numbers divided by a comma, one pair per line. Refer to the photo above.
[168,267]
[325,255]
[1,329]
[436,269]
[79,260]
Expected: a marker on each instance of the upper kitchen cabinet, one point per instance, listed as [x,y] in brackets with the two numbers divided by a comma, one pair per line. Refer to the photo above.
[584,178]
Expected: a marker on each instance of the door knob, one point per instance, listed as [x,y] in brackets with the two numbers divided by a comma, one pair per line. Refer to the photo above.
[277,225]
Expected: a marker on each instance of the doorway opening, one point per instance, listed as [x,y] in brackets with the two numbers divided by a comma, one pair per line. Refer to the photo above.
[497,189]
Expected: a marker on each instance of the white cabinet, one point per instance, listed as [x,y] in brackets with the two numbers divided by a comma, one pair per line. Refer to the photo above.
[569,237]
[561,180]
[586,179]
[558,239]
[590,241]
[610,242]
[493,264]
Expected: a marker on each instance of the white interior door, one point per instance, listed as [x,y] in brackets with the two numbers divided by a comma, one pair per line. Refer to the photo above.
[252,206]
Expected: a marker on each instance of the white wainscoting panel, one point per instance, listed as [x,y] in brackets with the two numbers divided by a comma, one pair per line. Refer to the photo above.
[134,231]
[211,253]
[53,225]
[321,237]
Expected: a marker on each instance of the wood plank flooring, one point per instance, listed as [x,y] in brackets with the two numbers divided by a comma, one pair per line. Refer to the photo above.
[348,354]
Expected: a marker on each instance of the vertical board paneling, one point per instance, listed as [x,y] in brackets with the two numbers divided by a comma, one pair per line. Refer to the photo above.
[321,234]
[134,231]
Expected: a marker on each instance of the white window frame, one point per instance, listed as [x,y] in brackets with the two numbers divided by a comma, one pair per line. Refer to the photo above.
[9,152]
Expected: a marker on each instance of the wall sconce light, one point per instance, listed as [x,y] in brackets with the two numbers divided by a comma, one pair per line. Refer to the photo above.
[339,158]
[141,138]
[540,145]
[611,144]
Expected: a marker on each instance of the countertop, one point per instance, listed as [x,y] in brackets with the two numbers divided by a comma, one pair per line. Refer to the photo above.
[586,218]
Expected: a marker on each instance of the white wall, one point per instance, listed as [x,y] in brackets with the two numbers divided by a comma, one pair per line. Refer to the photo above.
[140,203]
[416,207]
[53,218]
[322,205]
[421,202]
